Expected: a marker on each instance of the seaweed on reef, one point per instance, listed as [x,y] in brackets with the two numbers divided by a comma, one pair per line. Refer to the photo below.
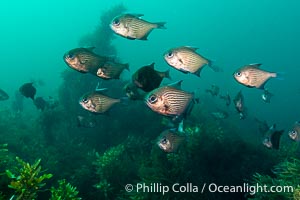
[210,154]
[285,174]
[102,36]
[50,120]
[65,191]
[3,154]
[27,181]
[118,165]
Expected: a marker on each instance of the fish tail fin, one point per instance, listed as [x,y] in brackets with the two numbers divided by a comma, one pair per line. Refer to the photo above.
[214,67]
[127,66]
[279,75]
[124,100]
[79,118]
[160,25]
[167,74]
[180,127]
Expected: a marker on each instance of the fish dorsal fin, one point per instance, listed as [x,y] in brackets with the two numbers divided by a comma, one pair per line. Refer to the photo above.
[191,48]
[101,89]
[176,85]
[91,48]
[173,130]
[152,65]
[256,65]
[137,15]
[180,127]
[98,89]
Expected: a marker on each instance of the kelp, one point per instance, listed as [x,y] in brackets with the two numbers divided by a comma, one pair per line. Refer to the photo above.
[102,36]
[3,154]
[285,175]
[27,180]
[64,191]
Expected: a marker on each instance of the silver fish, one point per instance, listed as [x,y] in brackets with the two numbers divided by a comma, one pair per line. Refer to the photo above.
[294,133]
[84,60]
[133,92]
[263,126]
[252,76]
[214,91]
[266,96]
[96,102]
[239,104]
[226,98]
[169,141]
[111,70]
[170,100]
[3,95]
[131,26]
[187,60]
[220,115]
[272,140]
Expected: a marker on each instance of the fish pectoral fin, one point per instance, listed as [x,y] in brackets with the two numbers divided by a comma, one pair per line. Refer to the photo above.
[82,61]
[166,107]
[180,60]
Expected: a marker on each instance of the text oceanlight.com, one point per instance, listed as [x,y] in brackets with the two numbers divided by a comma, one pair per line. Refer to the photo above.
[211,187]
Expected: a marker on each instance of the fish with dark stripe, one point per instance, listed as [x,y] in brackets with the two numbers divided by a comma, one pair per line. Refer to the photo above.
[187,60]
[148,79]
[252,76]
[111,70]
[28,90]
[96,102]
[170,100]
[131,26]
[272,138]
[84,60]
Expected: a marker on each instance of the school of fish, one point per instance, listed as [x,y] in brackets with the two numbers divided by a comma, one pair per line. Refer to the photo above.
[145,85]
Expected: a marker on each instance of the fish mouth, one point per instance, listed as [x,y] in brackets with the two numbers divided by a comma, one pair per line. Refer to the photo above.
[161,146]
[293,134]
[66,58]
[65,55]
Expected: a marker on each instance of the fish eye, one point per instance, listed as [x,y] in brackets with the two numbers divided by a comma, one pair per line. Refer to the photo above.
[164,140]
[71,56]
[84,100]
[153,99]
[293,132]
[116,22]
[238,74]
[170,54]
